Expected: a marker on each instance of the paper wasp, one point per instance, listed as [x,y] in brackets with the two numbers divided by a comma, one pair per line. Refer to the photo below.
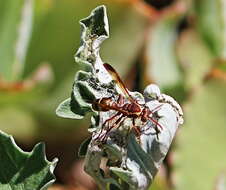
[126,107]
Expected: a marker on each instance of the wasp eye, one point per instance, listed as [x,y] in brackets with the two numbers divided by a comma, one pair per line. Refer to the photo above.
[96,106]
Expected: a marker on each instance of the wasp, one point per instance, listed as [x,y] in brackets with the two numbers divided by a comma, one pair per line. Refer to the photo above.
[125,106]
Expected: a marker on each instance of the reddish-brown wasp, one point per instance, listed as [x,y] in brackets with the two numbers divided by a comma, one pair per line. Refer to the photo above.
[126,106]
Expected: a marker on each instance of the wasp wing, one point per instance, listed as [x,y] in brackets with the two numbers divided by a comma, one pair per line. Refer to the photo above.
[118,80]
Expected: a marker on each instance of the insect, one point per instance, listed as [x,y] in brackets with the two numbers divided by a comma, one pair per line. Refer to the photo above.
[125,105]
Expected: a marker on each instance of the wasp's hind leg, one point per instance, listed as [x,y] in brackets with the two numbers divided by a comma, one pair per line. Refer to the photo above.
[107,127]
[116,124]
[136,130]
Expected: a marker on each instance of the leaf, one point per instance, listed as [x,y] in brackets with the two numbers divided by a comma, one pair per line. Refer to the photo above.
[65,110]
[95,30]
[24,170]
[15,25]
[122,174]
[162,62]
[211,22]
[195,58]
[83,147]
[201,144]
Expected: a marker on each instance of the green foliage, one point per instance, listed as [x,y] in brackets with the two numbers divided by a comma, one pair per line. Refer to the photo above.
[49,21]
[178,60]
[24,170]
[137,163]
[15,30]
[161,52]
[195,57]
[201,144]
[83,147]
[67,109]
[211,23]
[94,28]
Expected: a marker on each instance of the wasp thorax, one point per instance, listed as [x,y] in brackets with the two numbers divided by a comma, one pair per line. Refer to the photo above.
[134,108]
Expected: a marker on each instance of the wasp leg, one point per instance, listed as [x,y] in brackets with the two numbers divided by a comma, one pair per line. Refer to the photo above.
[111,118]
[107,120]
[157,131]
[137,130]
[120,102]
[156,108]
[155,122]
[116,124]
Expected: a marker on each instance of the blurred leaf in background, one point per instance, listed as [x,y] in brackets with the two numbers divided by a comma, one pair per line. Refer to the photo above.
[162,61]
[201,145]
[15,30]
[195,58]
[211,21]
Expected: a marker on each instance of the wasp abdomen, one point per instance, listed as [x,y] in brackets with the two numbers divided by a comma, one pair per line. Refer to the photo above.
[103,104]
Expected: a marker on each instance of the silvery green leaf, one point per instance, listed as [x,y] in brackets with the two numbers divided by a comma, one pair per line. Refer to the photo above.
[65,109]
[87,85]
[24,170]
[134,161]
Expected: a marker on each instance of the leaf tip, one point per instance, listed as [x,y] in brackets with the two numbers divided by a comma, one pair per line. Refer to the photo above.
[97,22]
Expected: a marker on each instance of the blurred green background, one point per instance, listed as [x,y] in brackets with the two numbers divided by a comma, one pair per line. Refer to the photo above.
[178,44]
